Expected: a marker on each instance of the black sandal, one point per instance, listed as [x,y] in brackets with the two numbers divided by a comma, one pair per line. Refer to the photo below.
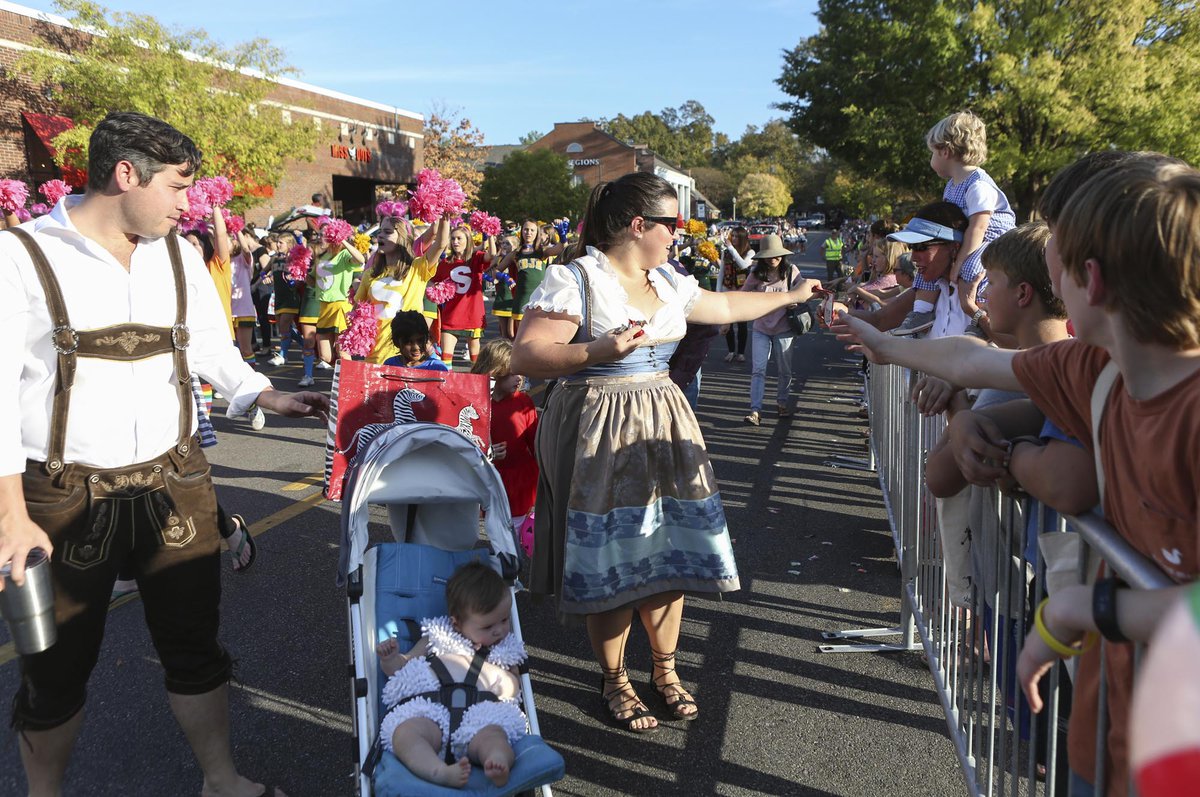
[677,699]
[626,696]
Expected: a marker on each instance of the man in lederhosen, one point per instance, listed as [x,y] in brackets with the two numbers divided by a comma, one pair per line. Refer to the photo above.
[98,463]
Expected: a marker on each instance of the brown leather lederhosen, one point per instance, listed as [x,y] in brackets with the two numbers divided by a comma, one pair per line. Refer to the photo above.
[156,519]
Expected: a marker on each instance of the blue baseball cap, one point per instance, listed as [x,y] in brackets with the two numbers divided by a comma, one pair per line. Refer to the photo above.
[918,231]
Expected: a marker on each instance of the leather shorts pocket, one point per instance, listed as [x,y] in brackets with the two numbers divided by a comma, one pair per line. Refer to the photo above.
[186,507]
[89,546]
[50,506]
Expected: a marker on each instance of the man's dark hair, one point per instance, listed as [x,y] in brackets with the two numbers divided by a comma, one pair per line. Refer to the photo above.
[944,213]
[149,144]
[318,199]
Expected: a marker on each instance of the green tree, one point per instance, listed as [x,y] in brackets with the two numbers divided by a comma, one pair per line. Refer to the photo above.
[763,195]
[136,64]
[534,183]
[1052,81]
[530,137]
[454,147]
[682,136]
[715,184]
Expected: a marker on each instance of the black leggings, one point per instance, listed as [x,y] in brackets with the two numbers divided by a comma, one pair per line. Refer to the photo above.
[262,303]
[737,336]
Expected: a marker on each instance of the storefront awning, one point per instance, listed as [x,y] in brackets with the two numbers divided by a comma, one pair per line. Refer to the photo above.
[46,127]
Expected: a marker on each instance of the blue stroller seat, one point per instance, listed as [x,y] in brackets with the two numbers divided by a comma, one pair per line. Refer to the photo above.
[433,482]
[410,584]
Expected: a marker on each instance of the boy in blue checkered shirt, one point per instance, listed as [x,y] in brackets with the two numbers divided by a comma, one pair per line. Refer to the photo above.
[958,145]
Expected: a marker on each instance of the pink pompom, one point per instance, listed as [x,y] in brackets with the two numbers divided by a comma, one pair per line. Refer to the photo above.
[234,224]
[199,208]
[358,339]
[436,196]
[299,259]
[336,232]
[440,292]
[13,195]
[483,223]
[218,190]
[391,209]
[39,209]
[54,190]
[23,215]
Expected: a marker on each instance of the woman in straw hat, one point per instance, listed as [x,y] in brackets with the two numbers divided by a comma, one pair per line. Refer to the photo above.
[771,333]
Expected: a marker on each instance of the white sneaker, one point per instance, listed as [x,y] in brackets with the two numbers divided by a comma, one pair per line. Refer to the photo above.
[323,366]
[276,359]
[258,418]
[306,381]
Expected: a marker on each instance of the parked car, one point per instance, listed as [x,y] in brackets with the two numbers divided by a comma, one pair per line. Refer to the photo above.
[759,230]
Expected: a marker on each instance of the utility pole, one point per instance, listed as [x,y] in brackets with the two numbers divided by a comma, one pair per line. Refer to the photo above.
[735,209]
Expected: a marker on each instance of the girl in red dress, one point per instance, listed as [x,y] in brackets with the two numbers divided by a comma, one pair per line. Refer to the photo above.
[514,427]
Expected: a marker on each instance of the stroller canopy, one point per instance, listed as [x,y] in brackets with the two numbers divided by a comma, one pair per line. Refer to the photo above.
[434,481]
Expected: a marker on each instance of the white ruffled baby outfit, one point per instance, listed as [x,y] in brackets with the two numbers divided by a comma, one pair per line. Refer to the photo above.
[417,677]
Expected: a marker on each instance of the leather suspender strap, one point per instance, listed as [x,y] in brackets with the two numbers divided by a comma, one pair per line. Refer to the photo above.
[180,338]
[65,341]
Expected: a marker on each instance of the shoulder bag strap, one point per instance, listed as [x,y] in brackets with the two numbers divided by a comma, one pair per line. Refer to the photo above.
[578,270]
[1104,385]
[180,338]
[65,341]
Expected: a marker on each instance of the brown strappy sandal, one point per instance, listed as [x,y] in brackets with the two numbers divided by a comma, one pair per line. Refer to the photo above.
[626,700]
[678,697]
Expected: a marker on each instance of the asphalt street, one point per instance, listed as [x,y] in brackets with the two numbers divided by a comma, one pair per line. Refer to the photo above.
[778,717]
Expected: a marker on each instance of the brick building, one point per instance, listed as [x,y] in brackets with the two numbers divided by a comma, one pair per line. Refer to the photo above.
[364,147]
[594,156]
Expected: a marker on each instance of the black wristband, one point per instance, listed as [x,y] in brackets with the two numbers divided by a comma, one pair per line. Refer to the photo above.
[1104,609]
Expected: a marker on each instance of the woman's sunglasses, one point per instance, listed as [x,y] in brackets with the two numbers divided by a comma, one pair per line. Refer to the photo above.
[670,222]
[927,245]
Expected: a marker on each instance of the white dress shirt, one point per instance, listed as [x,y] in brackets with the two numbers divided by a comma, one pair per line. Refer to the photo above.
[121,413]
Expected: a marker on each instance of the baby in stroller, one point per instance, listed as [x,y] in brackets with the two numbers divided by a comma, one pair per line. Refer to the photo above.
[472,650]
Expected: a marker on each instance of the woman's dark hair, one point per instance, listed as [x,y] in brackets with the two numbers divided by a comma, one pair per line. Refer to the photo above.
[205,243]
[881,228]
[474,588]
[612,206]
[944,213]
[760,268]
[409,325]
[149,144]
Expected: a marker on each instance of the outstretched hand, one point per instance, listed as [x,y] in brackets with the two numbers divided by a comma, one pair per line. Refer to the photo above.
[306,404]
[860,336]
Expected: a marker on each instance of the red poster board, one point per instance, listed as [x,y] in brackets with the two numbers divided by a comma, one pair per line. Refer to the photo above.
[368,398]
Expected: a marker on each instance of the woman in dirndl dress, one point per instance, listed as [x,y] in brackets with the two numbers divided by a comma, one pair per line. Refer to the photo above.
[629,517]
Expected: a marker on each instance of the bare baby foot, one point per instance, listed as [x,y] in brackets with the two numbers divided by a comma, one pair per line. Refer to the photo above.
[496,769]
[453,775]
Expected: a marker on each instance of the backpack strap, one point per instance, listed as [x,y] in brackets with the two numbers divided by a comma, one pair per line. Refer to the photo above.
[1103,387]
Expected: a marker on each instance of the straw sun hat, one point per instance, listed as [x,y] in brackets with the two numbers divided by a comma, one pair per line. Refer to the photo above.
[771,246]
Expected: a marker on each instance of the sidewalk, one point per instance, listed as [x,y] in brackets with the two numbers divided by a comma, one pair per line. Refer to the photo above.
[815,554]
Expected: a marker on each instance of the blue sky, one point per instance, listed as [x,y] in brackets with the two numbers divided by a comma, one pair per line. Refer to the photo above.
[514,67]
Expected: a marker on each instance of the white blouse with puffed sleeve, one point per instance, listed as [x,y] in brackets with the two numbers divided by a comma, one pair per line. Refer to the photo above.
[559,293]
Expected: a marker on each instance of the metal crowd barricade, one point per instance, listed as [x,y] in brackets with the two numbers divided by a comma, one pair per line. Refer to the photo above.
[971,650]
